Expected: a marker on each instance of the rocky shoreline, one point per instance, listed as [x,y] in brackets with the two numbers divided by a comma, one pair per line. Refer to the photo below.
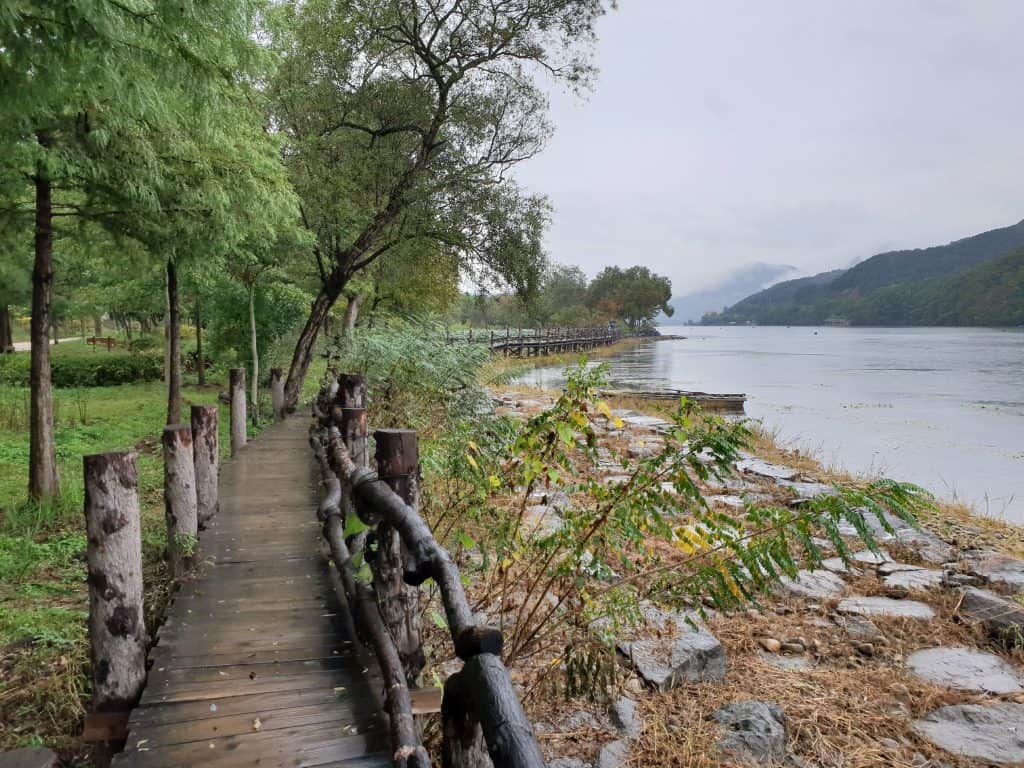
[937,614]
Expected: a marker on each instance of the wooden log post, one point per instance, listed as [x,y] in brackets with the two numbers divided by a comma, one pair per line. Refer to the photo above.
[180,507]
[350,415]
[236,391]
[398,463]
[277,393]
[206,459]
[117,629]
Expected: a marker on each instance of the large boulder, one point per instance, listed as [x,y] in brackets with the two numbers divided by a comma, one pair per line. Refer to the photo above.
[991,733]
[753,731]
[672,648]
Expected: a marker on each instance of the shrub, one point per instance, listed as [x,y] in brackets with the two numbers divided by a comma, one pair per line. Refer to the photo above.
[106,370]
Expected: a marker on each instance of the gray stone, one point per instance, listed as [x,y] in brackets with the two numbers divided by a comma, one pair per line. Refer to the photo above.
[677,653]
[728,500]
[930,547]
[909,576]
[753,729]
[999,569]
[568,762]
[624,718]
[541,520]
[871,558]
[613,755]
[806,491]
[761,468]
[1001,617]
[835,564]
[29,757]
[644,449]
[858,628]
[885,606]
[966,669]
[645,422]
[992,733]
[785,662]
[816,585]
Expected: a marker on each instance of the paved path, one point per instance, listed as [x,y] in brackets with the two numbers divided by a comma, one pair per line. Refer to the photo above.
[25,346]
[257,664]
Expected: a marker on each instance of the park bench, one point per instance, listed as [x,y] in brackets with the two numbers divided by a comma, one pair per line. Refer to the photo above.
[109,342]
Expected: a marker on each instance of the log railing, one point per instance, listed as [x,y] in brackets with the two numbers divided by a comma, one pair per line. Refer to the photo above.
[483,722]
[533,342]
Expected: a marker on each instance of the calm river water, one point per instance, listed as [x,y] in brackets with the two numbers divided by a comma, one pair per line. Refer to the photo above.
[940,407]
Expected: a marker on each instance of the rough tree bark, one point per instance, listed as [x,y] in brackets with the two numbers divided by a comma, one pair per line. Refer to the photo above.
[307,340]
[236,393]
[398,466]
[43,480]
[180,498]
[254,352]
[55,329]
[173,346]
[97,325]
[206,458]
[352,313]
[117,629]
[200,357]
[6,332]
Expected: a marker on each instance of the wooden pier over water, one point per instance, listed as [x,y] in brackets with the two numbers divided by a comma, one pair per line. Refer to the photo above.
[527,342]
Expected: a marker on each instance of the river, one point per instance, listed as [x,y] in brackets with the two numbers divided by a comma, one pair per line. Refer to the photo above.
[940,407]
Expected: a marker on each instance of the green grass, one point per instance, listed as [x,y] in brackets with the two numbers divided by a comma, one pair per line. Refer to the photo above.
[44,674]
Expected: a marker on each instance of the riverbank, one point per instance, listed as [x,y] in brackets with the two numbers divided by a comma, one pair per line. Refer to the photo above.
[867,663]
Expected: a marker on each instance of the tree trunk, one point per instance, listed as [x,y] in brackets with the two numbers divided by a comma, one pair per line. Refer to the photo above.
[352,313]
[6,332]
[173,347]
[97,326]
[206,457]
[254,352]
[277,393]
[200,357]
[236,393]
[43,480]
[180,499]
[117,627]
[306,344]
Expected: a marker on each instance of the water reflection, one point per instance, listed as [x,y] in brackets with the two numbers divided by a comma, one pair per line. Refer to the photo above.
[940,407]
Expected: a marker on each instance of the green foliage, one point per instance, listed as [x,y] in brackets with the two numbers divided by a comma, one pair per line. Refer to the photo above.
[415,378]
[593,560]
[975,281]
[634,295]
[99,370]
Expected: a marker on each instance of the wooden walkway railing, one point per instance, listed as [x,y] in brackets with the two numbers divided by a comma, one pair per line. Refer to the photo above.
[483,722]
[539,341]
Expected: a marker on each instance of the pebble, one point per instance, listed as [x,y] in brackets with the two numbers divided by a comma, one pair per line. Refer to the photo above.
[789,647]
[770,644]
[865,649]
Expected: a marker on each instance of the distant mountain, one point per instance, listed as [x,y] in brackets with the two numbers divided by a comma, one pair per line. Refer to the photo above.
[690,307]
[929,286]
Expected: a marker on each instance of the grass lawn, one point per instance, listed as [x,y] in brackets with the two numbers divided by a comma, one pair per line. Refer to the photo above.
[44,680]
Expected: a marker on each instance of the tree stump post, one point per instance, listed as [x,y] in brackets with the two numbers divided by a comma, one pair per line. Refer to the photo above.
[398,464]
[117,628]
[236,390]
[180,498]
[206,458]
[277,393]
[350,416]
[462,738]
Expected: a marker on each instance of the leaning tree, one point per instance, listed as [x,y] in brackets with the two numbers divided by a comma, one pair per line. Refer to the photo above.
[403,119]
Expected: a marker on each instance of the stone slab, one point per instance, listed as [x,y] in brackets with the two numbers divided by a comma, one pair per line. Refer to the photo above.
[815,585]
[753,729]
[966,669]
[885,606]
[994,733]
[999,569]
[763,468]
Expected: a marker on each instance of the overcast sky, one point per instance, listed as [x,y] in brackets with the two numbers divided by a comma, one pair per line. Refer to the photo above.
[805,132]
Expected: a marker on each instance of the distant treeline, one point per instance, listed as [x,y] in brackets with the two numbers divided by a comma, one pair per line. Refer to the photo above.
[632,296]
[975,281]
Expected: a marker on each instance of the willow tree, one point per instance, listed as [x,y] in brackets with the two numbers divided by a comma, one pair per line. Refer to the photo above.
[113,111]
[403,119]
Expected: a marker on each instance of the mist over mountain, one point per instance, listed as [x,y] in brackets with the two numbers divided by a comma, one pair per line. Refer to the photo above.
[690,307]
[950,284]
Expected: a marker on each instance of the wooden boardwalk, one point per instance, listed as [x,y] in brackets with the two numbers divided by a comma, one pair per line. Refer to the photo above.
[257,664]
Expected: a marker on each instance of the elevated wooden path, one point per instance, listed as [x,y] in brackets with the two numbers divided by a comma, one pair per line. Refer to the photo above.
[257,664]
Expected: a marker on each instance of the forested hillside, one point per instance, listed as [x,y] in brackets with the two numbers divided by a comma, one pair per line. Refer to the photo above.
[941,285]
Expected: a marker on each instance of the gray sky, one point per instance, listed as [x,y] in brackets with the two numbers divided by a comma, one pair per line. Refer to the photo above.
[805,132]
